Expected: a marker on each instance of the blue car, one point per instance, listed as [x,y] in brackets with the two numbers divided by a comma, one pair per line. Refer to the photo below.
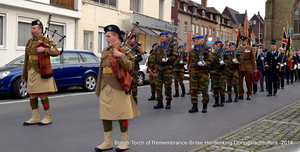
[72,68]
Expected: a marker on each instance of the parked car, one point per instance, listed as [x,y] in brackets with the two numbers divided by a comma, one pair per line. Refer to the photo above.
[72,68]
[143,75]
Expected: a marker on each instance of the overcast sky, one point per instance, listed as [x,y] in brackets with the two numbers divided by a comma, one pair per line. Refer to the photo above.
[252,6]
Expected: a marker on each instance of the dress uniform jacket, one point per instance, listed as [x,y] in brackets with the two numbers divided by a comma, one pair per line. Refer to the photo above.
[285,62]
[248,58]
[114,103]
[272,60]
[35,84]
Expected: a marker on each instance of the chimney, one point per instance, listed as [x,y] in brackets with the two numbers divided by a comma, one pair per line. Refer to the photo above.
[258,13]
[204,3]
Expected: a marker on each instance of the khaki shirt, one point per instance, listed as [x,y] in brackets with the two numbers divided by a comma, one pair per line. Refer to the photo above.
[31,54]
[109,78]
[248,59]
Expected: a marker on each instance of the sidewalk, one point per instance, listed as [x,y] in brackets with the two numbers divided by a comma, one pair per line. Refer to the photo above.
[278,130]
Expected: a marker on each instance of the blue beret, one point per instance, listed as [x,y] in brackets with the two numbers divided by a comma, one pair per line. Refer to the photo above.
[180,46]
[198,37]
[155,44]
[265,50]
[164,33]
[232,44]
[122,32]
[218,42]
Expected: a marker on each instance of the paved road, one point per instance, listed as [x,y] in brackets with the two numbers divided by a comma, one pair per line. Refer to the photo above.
[77,127]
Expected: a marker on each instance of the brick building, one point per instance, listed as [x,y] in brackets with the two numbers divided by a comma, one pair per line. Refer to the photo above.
[257,26]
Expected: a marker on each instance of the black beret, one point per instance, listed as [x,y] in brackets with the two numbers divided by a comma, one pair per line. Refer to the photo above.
[122,32]
[254,45]
[265,50]
[113,28]
[273,42]
[243,38]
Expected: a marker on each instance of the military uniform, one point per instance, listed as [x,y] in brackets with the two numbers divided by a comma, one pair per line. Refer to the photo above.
[178,69]
[246,68]
[262,72]
[164,74]
[151,65]
[36,85]
[295,66]
[282,72]
[199,78]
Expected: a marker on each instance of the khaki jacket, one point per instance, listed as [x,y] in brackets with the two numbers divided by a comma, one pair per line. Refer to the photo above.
[31,54]
[248,59]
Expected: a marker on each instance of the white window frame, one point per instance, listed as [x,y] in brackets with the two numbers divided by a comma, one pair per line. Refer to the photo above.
[140,6]
[178,4]
[211,16]
[218,18]
[197,29]
[23,19]
[185,7]
[172,20]
[193,29]
[89,40]
[209,33]
[213,33]
[254,22]
[202,29]
[173,3]
[185,27]
[64,28]
[195,10]
[222,20]
[102,47]
[203,13]
[161,9]
[205,32]
[4,26]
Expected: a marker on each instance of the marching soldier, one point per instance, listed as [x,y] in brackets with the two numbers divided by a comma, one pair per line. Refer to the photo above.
[272,65]
[135,68]
[189,69]
[164,71]
[180,61]
[257,60]
[116,102]
[298,60]
[262,71]
[295,66]
[233,74]
[199,75]
[151,65]
[219,73]
[282,71]
[36,85]
[246,68]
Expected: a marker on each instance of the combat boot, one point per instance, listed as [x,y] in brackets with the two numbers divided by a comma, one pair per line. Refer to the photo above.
[183,92]
[194,108]
[47,118]
[159,104]
[236,99]
[229,99]
[222,101]
[107,144]
[216,102]
[168,106]
[152,97]
[204,110]
[35,119]
[189,93]
[176,94]
[124,143]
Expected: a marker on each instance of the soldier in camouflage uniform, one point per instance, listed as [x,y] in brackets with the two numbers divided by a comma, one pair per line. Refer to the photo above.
[189,68]
[180,61]
[135,67]
[219,74]
[164,71]
[199,75]
[151,65]
[233,74]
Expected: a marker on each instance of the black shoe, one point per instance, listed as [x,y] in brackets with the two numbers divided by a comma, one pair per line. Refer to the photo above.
[176,94]
[136,101]
[269,95]
[121,150]
[261,91]
[292,84]
[152,97]
[248,97]
[222,101]
[287,84]
[241,97]
[183,92]
[282,87]
[29,124]
[159,105]
[168,106]
[274,94]
[254,93]
[216,102]
[229,99]
[189,93]
[204,110]
[194,108]
[236,99]
[97,149]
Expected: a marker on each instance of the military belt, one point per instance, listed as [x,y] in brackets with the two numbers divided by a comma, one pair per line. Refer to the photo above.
[245,59]
[107,70]
[33,57]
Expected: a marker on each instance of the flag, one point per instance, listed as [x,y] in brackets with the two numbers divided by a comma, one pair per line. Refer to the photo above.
[284,38]
[289,48]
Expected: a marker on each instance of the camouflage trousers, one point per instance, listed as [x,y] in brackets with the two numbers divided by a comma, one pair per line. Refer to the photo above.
[199,81]
[178,77]
[134,85]
[164,77]
[233,81]
[152,83]
[219,82]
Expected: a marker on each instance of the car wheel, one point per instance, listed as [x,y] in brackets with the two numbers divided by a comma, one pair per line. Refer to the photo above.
[19,89]
[141,79]
[89,83]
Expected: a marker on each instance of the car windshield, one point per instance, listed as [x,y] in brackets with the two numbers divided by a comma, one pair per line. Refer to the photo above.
[18,61]
[143,61]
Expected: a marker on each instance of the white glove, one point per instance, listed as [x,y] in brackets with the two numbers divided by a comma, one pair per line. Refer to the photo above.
[181,62]
[295,67]
[165,59]
[262,58]
[201,63]
[222,62]
[235,61]
[281,65]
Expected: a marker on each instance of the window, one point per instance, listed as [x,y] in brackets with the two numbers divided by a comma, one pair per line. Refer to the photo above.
[2,30]
[60,30]
[202,29]
[185,7]
[296,21]
[213,34]
[197,29]
[88,58]
[172,20]
[102,43]
[227,36]
[209,33]
[178,4]
[205,33]
[193,29]
[107,2]
[221,36]
[86,41]
[70,58]
[173,3]
[24,33]
[195,10]
[185,27]
[178,22]
[136,5]
[218,35]
[55,59]
[254,22]
[203,13]
[218,19]
[222,20]
[211,16]
[161,9]
[260,35]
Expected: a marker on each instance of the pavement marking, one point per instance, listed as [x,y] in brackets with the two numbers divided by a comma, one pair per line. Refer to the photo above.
[59,96]
[282,122]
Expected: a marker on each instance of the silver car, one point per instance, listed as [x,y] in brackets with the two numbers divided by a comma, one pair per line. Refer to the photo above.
[143,75]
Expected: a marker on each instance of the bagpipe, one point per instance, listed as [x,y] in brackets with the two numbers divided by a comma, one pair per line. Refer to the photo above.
[136,47]
[168,46]
[44,63]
